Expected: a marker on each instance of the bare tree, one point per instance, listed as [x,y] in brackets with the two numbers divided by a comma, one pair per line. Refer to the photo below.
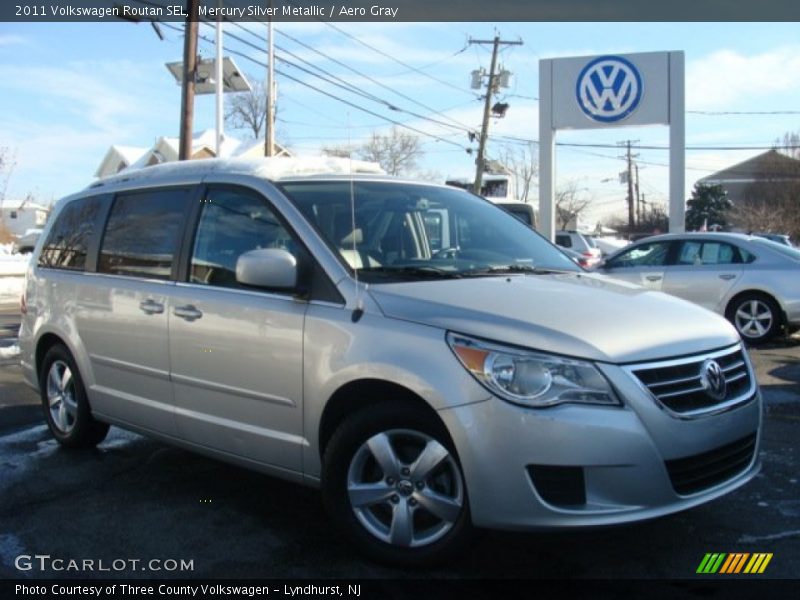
[789,144]
[570,204]
[248,110]
[523,163]
[770,204]
[397,152]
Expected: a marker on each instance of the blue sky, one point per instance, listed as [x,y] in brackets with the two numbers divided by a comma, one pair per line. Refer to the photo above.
[71,90]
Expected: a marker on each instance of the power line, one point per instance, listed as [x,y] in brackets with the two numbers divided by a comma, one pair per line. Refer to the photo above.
[340,83]
[743,112]
[330,95]
[376,82]
[397,60]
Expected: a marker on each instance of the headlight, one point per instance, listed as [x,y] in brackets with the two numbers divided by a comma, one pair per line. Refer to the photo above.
[531,378]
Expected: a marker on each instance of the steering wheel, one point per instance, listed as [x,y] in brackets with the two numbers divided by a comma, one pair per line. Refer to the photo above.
[449,252]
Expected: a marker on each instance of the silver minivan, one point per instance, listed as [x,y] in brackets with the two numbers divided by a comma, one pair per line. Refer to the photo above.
[310,328]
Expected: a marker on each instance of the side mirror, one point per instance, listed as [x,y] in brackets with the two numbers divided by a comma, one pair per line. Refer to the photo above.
[272,268]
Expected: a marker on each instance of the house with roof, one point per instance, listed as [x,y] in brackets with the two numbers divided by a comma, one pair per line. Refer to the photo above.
[759,176]
[20,215]
[167,149]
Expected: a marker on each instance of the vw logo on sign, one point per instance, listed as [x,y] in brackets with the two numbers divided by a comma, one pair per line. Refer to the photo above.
[713,380]
[609,89]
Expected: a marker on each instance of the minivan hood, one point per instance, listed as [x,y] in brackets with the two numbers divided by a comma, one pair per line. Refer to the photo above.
[574,314]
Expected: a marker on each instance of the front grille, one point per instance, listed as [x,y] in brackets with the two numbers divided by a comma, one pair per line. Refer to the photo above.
[678,384]
[559,486]
[696,473]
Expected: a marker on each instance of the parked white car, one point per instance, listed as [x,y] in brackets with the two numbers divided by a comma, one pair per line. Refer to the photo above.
[581,244]
[752,281]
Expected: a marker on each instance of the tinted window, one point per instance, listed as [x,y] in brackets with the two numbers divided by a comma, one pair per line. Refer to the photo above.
[564,240]
[707,253]
[143,232]
[644,255]
[232,223]
[67,243]
[522,213]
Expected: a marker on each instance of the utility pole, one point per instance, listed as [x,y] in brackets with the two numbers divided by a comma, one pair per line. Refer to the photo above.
[638,202]
[219,84]
[189,76]
[629,158]
[269,138]
[487,106]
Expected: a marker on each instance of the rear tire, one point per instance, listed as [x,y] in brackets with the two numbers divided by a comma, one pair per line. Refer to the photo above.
[64,401]
[757,317]
[393,484]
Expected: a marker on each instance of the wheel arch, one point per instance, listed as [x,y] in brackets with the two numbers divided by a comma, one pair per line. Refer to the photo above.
[756,292]
[360,393]
[43,344]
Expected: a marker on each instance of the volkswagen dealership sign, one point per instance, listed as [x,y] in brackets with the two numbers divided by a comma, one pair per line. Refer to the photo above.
[604,92]
[596,92]
[609,88]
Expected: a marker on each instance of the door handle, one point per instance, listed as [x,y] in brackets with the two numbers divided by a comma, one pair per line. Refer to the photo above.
[727,276]
[188,312]
[653,278]
[151,307]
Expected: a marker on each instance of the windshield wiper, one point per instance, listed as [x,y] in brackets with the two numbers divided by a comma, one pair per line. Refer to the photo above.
[513,268]
[427,271]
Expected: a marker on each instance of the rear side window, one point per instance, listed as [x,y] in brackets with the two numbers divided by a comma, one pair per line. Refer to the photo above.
[143,232]
[68,240]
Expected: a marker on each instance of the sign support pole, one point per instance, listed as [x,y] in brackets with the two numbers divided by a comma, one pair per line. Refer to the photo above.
[547,147]
[677,143]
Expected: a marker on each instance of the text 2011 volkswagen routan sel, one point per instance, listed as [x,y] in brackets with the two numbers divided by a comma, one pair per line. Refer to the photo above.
[418,353]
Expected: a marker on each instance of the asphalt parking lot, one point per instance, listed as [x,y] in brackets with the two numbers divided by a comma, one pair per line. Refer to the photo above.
[136,499]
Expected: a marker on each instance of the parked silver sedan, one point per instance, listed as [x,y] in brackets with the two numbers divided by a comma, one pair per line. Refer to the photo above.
[752,281]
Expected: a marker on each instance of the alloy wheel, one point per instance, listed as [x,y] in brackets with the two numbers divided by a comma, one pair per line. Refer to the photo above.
[753,318]
[61,396]
[405,488]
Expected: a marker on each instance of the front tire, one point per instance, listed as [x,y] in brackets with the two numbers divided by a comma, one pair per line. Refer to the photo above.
[757,317]
[64,401]
[392,482]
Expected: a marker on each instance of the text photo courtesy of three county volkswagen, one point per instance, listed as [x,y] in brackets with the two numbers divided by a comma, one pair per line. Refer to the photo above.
[300,304]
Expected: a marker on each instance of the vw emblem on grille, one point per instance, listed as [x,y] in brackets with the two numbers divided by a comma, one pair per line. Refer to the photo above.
[713,380]
[609,89]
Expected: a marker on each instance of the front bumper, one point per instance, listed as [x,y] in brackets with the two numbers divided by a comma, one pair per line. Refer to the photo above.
[621,454]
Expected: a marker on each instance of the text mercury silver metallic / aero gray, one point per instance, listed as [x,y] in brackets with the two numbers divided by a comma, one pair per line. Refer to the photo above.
[418,353]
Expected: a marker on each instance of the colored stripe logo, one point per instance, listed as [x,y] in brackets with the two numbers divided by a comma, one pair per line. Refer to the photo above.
[734,563]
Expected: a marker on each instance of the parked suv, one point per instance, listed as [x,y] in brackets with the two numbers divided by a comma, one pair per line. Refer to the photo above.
[302,326]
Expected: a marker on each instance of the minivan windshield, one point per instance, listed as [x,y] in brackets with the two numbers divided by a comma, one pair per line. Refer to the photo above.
[398,231]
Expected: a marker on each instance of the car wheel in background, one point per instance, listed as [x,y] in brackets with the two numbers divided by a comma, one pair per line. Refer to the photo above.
[757,317]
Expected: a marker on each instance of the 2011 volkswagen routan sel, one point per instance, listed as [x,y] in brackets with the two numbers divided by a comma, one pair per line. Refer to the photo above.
[418,353]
